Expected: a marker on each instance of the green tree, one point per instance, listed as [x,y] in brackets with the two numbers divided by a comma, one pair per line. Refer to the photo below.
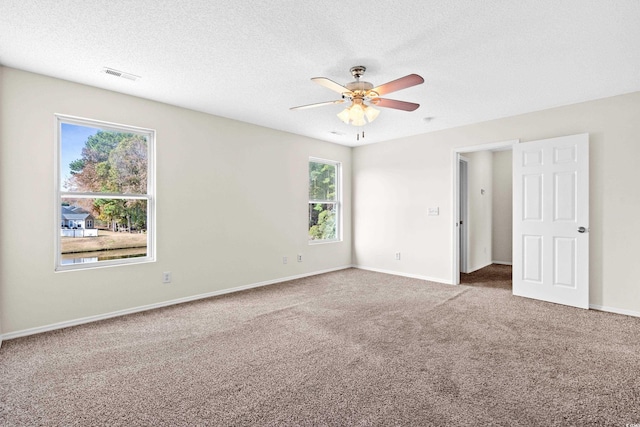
[113,162]
[322,188]
[322,224]
[322,181]
[110,211]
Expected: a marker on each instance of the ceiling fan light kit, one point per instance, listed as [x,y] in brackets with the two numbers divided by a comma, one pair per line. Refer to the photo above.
[356,113]
[363,95]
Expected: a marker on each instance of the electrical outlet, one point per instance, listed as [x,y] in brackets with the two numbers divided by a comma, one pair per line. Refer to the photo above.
[284,260]
[299,258]
[397,256]
[166,277]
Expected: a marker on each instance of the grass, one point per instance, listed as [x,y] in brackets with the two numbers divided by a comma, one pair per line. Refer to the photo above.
[106,240]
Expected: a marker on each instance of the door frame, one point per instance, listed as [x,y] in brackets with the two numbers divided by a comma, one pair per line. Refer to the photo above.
[463,207]
[455,211]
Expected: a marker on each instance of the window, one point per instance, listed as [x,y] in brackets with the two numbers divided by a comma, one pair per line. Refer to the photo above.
[104,194]
[324,201]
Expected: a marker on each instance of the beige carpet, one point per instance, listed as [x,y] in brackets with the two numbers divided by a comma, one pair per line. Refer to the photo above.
[346,348]
[492,276]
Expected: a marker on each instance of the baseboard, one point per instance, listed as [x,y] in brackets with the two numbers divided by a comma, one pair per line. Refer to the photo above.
[502,262]
[89,319]
[118,313]
[615,310]
[398,273]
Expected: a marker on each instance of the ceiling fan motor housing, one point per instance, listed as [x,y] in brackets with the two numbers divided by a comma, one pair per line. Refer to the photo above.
[359,90]
[359,86]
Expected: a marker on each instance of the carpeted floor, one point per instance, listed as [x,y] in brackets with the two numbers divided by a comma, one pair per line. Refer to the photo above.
[346,348]
[491,276]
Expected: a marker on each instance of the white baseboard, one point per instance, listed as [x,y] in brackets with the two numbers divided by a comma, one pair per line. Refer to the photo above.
[398,273]
[89,319]
[502,262]
[615,310]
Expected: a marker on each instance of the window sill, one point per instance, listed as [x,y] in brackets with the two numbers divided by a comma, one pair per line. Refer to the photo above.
[102,264]
[322,242]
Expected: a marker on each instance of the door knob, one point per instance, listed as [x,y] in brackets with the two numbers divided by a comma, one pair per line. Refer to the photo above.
[582,230]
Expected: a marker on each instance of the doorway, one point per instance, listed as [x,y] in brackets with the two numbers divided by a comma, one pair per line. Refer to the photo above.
[550,218]
[473,249]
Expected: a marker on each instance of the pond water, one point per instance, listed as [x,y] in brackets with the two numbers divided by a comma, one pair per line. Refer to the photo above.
[87,257]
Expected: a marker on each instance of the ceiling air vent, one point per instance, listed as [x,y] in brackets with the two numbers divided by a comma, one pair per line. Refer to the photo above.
[120,74]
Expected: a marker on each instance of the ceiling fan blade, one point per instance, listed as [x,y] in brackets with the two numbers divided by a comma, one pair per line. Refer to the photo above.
[319,104]
[401,83]
[330,84]
[392,103]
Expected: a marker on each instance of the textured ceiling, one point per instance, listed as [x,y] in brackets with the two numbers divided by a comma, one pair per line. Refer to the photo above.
[252,60]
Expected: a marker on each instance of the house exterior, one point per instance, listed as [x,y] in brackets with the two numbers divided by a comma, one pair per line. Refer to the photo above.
[76,222]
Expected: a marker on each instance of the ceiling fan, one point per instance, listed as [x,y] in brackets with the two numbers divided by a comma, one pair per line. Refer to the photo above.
[363,96]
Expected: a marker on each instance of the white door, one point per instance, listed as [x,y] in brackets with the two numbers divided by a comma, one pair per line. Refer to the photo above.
[551,220]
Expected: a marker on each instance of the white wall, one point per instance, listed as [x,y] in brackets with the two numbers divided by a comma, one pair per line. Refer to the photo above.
[480,193]
[395,181]
[248,183]
[502,200]
[392,193]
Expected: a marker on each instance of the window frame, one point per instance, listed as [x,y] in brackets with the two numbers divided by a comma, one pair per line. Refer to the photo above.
[337,202]
[150,195]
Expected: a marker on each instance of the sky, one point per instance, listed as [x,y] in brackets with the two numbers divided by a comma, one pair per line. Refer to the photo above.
[73,139]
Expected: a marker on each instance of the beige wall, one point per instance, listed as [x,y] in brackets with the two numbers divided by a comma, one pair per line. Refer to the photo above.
[247,183]
[479,177]
[257,214]
[395,181]
[502,200]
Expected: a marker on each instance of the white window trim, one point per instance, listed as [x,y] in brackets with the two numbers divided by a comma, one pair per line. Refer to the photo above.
[150,134]
[337,201]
